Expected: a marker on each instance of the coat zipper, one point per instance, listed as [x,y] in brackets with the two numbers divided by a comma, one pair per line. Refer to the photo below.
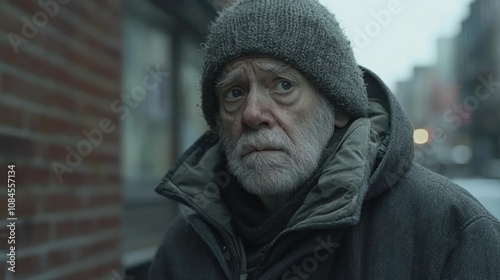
[297,229]
[271,244]
[240,269]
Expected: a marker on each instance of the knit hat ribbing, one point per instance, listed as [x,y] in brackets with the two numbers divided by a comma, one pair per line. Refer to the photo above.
[300,32]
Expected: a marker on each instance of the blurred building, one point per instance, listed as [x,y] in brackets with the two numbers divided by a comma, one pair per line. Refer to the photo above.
[97,100]
[457,100]
[444,136]
[479,76]
[427,98]
[416,94]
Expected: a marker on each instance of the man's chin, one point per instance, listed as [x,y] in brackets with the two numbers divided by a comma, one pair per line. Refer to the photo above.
[266,188]
[266,181]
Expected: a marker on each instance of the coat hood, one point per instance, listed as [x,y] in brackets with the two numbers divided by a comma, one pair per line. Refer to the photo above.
[372,156]
[396,151]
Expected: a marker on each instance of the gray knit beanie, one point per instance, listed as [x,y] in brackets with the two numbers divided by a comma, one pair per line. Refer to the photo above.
[302,33]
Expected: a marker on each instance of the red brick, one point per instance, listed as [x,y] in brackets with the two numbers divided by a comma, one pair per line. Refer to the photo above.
[113,178]
[3,270]
[62,202]
[90,175]
[114,7]
[105,223]
[56,152]
[66,27]
[70,228]
[28,265]
[59,152]
[4,234]
[29,175]
[105,200]
[26,204]
[46,69]
[3,211]
[90,250]
[98,158]
[12,146]
[14,24]
[99,271]
[91,43]
[100,18]
[86,60]
[65,229]
[78,227]
[12,116]
[59,257]
[32,233]
[53,126]
[11,23]
[77,179]
[24,89]
[108,138]
[90,110]
[29,7]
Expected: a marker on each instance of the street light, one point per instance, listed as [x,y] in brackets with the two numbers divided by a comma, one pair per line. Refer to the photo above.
[420,136]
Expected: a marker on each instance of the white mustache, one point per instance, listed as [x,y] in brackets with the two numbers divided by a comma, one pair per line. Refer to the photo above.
[262,140]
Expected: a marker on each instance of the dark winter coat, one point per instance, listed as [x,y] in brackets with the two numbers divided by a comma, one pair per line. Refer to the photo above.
[372,214]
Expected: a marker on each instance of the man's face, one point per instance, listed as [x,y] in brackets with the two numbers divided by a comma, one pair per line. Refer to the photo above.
[273,124]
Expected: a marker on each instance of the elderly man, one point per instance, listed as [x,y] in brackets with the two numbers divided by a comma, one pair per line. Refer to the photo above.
[307,170]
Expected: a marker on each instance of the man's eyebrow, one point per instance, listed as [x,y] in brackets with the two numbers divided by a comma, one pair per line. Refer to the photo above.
[228,77]
[274,68]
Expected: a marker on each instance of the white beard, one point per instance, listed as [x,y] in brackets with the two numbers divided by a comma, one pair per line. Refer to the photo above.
[280,172]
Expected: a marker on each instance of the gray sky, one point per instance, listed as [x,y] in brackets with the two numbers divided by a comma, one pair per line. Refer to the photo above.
[392,45]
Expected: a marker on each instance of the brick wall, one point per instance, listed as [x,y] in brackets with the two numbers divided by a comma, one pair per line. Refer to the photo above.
[60,70]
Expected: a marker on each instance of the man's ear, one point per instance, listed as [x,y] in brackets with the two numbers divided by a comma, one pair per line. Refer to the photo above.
[341,119]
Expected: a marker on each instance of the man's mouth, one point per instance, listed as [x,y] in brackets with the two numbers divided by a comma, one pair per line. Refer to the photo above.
[259,150]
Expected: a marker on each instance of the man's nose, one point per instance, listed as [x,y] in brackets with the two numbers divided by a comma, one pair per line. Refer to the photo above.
[257,112]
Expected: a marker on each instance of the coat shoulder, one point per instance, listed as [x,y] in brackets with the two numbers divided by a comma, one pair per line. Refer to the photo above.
[430,198]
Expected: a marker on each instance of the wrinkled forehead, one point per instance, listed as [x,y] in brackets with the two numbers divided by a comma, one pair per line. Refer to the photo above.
[265,64]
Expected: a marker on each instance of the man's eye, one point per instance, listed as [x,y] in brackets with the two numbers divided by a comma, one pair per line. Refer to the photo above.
[284,86]
[233,94]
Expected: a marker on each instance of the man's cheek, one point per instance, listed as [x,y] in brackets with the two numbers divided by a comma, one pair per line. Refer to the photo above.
[233,129]
[229,123]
